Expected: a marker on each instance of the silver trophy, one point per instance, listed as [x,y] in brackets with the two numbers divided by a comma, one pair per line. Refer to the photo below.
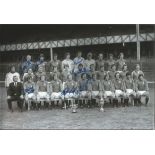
[101,104]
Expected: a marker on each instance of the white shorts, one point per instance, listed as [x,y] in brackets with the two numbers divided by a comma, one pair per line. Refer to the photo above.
[71,95]
[130,92]
[30,96]
[42,95]
[55,95]
[142,93]
[95,94]
[109,94]
[119,93]
[83,94]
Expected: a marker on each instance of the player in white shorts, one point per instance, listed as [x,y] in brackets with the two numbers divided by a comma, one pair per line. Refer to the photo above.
[29,89]
[56,88]
[142,89]
[119,89]
[84,93]
[94,86]
[107,88]
[70,90]
[42,90]
[129,85]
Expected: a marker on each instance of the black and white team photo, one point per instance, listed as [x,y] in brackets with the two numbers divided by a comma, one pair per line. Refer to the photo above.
[77,76]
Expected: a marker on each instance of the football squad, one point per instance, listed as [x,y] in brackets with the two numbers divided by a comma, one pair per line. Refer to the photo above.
[76,83]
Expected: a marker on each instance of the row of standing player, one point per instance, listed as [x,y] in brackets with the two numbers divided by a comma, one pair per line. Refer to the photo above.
[72,64]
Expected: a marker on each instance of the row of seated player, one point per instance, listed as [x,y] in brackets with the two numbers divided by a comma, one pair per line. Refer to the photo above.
[115,90]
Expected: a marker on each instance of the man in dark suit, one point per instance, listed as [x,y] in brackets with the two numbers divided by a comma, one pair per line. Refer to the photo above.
[15,93]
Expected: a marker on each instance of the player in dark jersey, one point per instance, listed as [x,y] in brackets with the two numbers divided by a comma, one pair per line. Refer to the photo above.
[142,89]
[119,89]
[84,92]
[100,62]
[120,62]
[137,72]
[95,88]
[77,74]
[129,89]
[101,73]
[107,89]
[112,72]
[55,90]
[42,91]
[41,63]
[124,71]
[110,62]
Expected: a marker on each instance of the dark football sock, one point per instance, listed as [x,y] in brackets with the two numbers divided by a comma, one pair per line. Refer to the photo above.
[146,100]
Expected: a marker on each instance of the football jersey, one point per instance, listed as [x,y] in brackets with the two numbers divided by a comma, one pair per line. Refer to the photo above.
[120,64]
[55,63]
[107,85]
[70,84]
[99,63]
[123,74]
[27,65]
[83,85]
[78,73]
[42,86]
[29,87]
[100,75]
[56,85]
[129,84]
[64,75]
[89,62]
[90,73]
[78,61]
[110,63]
[38,75]
[41,64]
[69,62]
[53,73]
[112,75]
[95,85]
[142,85]
[26,76]
[118,84]
[135,74]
